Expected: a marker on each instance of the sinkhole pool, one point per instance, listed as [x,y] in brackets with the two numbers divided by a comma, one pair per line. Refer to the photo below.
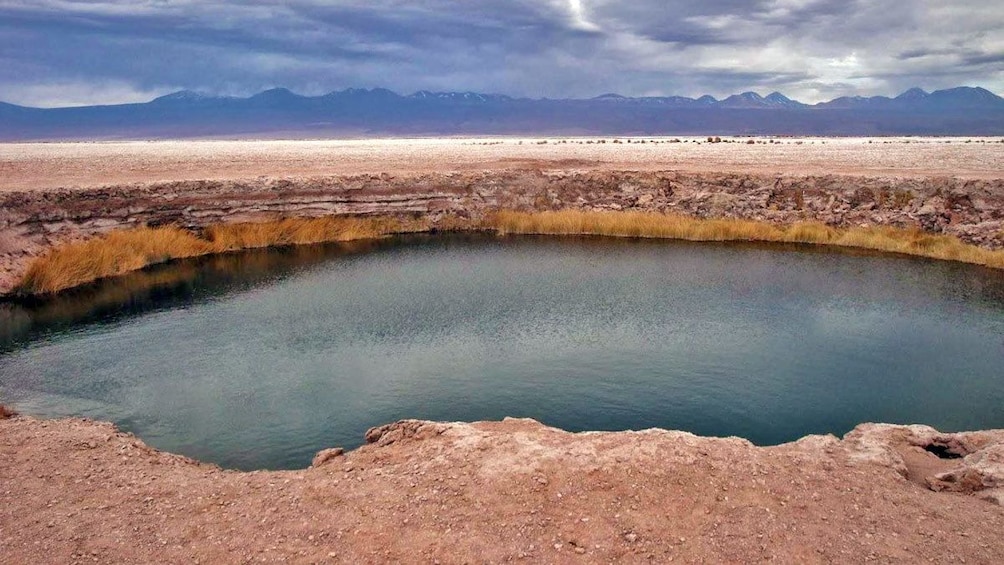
[259,359]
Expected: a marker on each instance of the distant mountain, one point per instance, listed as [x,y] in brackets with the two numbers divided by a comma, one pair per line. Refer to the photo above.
[744,100]
[963,97]
[5,107]
[913,95]
[952,99]
[275,96]
[778,100]
[855,102]
[279,112]
[183,96]
[774,100]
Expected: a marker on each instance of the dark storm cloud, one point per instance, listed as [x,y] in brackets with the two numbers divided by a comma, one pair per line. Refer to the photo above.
[924,52]
[728,22]
[64,52]
[980,59]
[963,57]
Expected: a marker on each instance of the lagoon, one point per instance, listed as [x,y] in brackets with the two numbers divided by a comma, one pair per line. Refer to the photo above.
[259,359]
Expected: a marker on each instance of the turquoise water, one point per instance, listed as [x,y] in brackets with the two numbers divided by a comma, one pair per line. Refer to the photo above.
[258,360]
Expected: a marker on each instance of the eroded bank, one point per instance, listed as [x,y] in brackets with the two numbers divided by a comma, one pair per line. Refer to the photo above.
[34,222]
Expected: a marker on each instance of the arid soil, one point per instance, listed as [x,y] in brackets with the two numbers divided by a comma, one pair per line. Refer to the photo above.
[76,491]
[55,193]
[33,166]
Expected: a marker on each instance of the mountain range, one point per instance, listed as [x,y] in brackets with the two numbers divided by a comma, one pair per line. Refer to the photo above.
[280,112]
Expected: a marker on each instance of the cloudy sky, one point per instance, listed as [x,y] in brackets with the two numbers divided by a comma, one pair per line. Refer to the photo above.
[72,52]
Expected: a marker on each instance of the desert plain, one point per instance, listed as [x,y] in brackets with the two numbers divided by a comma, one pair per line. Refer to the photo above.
[33,166]
[78,491]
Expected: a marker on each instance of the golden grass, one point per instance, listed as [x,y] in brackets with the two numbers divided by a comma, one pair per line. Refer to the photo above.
[123,251]
[656,225]
[113,254]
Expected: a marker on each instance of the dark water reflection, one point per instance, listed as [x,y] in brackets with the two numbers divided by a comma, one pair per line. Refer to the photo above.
[259,359]
[163,287]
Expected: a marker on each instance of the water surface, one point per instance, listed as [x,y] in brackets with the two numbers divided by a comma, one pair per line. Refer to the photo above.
[260,359]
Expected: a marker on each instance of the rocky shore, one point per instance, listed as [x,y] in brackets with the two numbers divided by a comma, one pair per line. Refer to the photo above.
[33,221]
[78,491]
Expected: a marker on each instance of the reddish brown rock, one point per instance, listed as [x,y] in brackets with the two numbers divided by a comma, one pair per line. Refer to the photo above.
[326,455]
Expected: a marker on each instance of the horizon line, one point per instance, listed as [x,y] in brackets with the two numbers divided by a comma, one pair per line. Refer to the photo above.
[605,95]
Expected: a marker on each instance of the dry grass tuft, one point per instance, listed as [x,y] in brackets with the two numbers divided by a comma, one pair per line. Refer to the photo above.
[631,224]
[6,412]
[129,250]
[233,237]
[113,254]
[123,251]
[655,225]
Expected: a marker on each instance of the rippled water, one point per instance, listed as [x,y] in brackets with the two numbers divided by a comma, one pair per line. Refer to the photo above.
[260,359]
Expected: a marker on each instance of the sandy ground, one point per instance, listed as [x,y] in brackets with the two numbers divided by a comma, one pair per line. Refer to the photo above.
[500,492]
[52,165]
[75,491]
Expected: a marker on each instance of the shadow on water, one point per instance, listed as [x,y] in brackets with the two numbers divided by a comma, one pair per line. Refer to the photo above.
[176,284]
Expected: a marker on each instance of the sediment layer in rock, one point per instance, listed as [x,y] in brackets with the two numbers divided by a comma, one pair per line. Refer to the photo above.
[80,491]
[32,222]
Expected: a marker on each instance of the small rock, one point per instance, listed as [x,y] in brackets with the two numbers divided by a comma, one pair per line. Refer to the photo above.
[631,537]
[326,455]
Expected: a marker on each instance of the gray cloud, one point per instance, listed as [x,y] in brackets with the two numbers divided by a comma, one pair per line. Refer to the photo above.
[57,52]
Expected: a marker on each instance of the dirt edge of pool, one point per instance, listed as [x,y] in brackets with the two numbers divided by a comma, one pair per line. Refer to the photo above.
[508,490]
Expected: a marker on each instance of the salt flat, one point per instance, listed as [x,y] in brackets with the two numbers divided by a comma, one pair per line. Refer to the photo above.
[26,166]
